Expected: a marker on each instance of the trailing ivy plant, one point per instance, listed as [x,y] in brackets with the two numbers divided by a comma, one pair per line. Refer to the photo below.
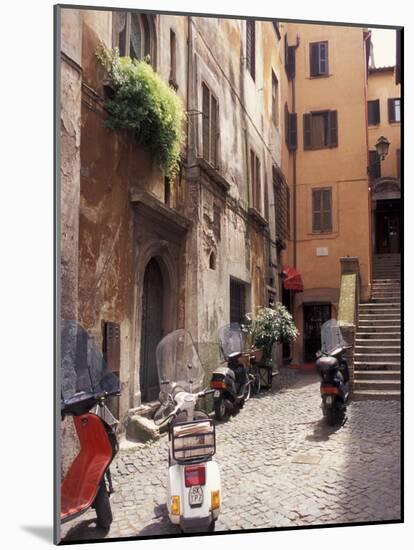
[270,325]
[144,104]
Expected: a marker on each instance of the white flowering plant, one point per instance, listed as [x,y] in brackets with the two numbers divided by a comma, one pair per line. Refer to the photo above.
[269,325]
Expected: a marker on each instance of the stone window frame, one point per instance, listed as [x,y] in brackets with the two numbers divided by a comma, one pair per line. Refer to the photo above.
[147,30]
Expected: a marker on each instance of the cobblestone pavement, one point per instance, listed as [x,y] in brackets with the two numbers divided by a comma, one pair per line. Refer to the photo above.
[280,466]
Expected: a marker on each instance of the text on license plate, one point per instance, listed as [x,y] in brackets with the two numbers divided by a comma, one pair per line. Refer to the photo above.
[195,496]
[217,393]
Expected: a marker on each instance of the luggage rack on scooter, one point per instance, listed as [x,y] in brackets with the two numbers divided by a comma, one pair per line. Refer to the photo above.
[193,441]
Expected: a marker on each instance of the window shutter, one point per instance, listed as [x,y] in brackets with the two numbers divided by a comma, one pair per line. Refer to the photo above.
[323,58]
[213,132]
[258,186]
[252,177]
[286,125]
[293,125]
[391,110]
[326,210]
[291,62]
[316,210]
[250,47]
[333,129]
[307,134]
[286,53]
[206,122]
[314,61]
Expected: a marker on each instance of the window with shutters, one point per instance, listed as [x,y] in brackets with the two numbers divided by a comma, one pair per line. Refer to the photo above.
[255,181]
[134,35]
[318,52]
[374,165]
[291,125]
[210,126]
[373,112]
[281,205]
[394,109]
[251,47]
[322,210]
[320,129]
[290,63]
[275,99]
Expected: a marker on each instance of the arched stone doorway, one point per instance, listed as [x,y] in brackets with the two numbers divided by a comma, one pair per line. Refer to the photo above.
[151,329]
[386,216]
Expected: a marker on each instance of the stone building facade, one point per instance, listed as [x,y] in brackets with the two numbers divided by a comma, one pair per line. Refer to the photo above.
[140,255]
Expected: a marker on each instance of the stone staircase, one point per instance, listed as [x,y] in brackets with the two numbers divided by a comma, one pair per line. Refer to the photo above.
[377,359]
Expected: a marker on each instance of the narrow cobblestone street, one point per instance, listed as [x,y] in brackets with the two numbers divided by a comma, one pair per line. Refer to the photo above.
[280,466]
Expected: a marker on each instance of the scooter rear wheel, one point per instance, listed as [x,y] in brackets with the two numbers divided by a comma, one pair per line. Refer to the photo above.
[221,411]
[103,507]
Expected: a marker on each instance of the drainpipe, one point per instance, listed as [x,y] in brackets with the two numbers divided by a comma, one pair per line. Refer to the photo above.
[294,162]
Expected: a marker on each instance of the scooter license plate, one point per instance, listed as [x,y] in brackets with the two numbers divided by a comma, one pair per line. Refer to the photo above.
[216,393]
[329,399]
[195,496]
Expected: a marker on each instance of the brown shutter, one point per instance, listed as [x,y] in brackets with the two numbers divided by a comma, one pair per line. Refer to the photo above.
[213,132]
[333,129]
[286,125]
[291,62]
[293,125]
[323,58]
[206,122]
[258,186]
[391,110]
[286,53]
[252,177]
[250,47]
[316,210]
[307,134]
[314,59]
[326,210]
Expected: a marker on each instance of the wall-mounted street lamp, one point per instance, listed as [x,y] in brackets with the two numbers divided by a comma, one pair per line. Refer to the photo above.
[381,147]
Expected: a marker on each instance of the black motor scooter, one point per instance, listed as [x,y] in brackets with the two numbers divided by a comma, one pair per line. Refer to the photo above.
[231,382]
[333,369]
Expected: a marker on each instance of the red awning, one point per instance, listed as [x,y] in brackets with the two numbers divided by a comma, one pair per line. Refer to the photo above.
[292,279]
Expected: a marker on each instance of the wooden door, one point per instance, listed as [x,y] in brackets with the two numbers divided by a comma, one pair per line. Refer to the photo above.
[151,330]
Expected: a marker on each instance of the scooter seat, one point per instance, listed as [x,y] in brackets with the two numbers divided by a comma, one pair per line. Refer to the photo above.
[325,363]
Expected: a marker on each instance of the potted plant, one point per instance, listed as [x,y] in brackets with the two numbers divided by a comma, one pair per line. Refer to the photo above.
[267,326]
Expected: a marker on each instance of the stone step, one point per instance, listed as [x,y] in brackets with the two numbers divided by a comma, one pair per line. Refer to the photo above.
[377,343]
[376,385]
[378,336]
[381,357]
[378,329]
[141,428]
[377,307]
[377,365]
[384,374]
[393,315]
[376,395]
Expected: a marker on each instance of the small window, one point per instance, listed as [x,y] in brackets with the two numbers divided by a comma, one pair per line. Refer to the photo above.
[212,261]
[319,59]
[322,210]
[281,205]
[134,35]
[210,126]
[255,180]
[320,130]
[374,165]
[173,60]
[251,47]
[394,109]
[275,99]
[373,112]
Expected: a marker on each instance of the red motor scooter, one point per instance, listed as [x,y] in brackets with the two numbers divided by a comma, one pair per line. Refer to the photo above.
[86,384]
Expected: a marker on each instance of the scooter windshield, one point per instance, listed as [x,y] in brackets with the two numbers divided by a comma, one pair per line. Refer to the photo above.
[231,340]
[178,363]
[331,337]
[84,373]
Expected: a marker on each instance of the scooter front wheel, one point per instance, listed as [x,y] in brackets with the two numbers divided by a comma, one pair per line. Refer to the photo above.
[221,411]
[103,507]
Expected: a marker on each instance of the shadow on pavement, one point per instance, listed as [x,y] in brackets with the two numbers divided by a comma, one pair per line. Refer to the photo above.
[162,525]
[322,431]
[85,530]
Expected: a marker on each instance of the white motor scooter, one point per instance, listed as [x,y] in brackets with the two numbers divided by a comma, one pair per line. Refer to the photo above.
[193,488]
